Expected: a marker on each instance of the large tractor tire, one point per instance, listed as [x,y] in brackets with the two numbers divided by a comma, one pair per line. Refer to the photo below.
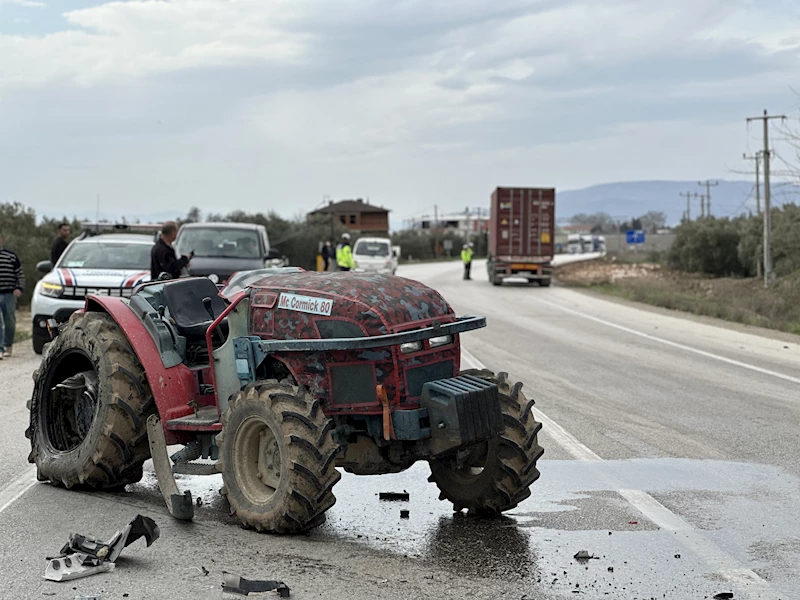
[277,458]
[89,407]
[494,476]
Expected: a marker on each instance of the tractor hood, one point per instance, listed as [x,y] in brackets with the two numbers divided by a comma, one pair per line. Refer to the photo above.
[380,303]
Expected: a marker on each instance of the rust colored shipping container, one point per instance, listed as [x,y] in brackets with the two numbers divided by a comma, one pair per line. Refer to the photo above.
[522,234]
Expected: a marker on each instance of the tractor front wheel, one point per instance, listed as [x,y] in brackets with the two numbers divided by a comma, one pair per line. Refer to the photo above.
[277,456]
[494,476]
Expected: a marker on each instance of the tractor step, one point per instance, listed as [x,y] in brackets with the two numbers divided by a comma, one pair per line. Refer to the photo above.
[205,419]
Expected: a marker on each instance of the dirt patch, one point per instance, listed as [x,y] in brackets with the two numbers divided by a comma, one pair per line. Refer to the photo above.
[595,272]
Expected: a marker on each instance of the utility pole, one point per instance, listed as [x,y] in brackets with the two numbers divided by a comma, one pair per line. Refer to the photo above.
[708,185]
[466,233]
[757,158]
[688,205]
[702,205]
[435,231]
[768,274]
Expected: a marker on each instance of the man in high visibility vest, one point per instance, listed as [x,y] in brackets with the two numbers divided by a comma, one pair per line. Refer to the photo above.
[466,258]
[344,255]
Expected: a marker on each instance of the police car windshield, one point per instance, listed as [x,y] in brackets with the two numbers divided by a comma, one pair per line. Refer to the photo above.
[215,242]
[107,255]
[372,249]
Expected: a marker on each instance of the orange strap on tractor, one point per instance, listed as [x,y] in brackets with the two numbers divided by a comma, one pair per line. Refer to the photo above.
[388,428]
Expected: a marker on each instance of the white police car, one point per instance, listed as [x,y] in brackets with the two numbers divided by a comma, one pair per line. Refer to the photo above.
[99,264]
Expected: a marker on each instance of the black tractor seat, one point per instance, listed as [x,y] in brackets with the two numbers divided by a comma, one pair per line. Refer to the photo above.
[184,299]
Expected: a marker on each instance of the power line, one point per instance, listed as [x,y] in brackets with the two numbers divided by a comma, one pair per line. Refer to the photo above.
[757,158]
[708,183]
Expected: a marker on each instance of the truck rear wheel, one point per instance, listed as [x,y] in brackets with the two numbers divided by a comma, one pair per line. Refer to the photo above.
[89,407]
[494,476]
[277,455]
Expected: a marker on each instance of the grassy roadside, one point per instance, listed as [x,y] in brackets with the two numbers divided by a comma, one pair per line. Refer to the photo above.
[738,300]
[23,333]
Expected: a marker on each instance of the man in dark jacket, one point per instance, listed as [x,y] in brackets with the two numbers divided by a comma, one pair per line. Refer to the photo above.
[60,243]
[12,283]
[162,256]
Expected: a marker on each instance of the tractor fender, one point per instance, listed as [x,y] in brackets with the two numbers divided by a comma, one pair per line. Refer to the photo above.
[173,388]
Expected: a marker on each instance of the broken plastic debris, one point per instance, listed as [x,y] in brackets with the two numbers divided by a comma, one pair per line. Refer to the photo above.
[234,586]
[82,556]
[405,514]
[724,596]
[394,496]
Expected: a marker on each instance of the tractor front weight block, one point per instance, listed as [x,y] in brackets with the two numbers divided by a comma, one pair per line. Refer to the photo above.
[463,411]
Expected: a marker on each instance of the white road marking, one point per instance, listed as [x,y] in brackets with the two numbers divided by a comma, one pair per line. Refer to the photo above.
[14,490]
[724,564]
[654,338]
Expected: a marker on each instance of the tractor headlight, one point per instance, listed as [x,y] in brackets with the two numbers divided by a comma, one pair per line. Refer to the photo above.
[441,340]
[53,290]
[410,347]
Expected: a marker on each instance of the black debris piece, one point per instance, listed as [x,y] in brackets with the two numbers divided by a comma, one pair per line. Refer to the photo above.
[723,596]
[405,514]
[677,556]
[234,586]
[394,496]
[82,556]
[610,569]
[583,556]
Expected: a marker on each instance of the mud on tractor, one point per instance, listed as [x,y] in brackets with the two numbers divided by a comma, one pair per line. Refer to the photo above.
[275,382]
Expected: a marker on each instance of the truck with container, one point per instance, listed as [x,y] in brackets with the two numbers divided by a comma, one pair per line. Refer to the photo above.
[521,235]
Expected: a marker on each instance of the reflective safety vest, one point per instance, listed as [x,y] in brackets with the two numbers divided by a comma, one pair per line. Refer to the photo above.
[466,255]
[344,256]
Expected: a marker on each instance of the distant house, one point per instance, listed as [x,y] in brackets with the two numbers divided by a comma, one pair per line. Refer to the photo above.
[359,217]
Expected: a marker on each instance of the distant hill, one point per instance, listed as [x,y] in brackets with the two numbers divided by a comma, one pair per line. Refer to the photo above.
[627,199]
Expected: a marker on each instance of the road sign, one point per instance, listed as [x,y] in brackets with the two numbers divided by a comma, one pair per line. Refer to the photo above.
[634,236]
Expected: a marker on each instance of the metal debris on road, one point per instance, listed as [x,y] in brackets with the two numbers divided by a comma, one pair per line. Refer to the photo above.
[234,586]
[82,556]
[405,514]
[394,496]
[724,596]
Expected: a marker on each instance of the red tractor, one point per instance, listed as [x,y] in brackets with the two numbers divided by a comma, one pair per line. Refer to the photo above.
[274,382]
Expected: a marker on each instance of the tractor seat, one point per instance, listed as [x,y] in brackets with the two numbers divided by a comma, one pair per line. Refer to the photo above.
[184,300]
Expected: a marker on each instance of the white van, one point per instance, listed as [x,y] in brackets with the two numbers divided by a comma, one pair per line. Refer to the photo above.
[375,255]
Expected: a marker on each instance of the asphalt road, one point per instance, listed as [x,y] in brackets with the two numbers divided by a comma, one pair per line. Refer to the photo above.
[670,454]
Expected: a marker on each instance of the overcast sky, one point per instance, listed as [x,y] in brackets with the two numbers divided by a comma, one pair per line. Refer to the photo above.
[273,104]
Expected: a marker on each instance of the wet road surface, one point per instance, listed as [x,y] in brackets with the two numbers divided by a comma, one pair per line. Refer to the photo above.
[670,456]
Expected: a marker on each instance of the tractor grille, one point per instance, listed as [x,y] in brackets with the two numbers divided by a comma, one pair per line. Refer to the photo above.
[417,377]
[80,293]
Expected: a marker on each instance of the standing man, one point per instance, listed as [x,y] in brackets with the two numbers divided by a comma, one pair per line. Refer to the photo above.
[60,243]
[327,255]
[344,255]
[162,256]
[466,258]
[12,282]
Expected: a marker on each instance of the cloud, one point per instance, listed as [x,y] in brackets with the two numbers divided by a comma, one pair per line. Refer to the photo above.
[26,3]
[420,101]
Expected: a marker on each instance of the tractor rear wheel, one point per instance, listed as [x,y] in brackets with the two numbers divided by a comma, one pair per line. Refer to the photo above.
[277,458]
[89,408]
[496,475]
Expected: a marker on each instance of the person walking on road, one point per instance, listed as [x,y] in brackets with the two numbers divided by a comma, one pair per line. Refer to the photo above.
[12,284]
[466,258]
[162,256]
[344,254]
[60,243]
